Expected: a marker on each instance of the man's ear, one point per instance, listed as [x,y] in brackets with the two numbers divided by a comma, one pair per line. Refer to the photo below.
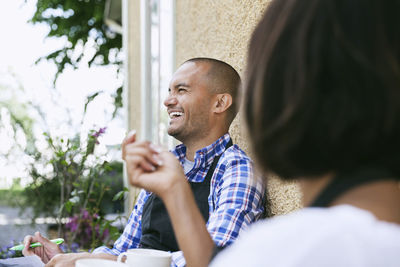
[222,103]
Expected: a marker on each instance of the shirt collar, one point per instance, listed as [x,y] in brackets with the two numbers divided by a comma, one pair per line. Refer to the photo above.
[205,156]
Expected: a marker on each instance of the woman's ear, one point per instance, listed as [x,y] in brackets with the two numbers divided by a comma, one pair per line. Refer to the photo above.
[222,103]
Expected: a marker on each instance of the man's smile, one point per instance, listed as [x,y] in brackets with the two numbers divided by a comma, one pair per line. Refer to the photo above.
[175,115]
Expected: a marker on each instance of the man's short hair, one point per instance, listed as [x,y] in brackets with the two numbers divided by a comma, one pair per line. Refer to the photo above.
[223,78]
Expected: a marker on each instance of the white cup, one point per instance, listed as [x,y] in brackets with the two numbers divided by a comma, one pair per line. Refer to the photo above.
[146,258]
[98,263]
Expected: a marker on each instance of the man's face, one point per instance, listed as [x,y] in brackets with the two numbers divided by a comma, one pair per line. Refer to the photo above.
[189,102]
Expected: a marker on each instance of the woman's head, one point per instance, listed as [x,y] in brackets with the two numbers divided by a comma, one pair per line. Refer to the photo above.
[323,86]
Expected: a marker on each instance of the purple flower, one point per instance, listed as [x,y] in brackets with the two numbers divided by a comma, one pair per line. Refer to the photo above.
[99,132]
[96,135]
[74,247]
[88,232]
[106,233]
[85,214]
[64,247]
[72,225]
[89,229]
[97,228]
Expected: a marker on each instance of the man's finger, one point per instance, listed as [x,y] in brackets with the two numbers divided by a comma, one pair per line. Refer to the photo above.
[28,240]
[130,137]
[43,240]
[146,166]
[134,162]
[157,149]
[145,152]
[27,243]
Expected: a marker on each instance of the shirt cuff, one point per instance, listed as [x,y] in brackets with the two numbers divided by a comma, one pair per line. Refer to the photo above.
[177,259]
[106,250]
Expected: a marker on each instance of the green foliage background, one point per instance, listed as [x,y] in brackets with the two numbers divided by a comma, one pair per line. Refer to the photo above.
[78,179]
[81,22]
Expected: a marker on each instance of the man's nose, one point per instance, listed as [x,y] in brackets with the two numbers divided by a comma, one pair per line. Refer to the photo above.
[170,100]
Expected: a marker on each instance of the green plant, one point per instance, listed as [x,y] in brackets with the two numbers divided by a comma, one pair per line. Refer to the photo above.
[69,176]
[81,24]
[12,196]
[6,253]
[74,187]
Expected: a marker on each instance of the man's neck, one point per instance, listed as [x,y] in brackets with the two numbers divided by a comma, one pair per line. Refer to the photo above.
[194,145]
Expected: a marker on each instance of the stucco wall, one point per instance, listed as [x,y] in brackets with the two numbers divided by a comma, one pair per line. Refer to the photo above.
[221,29]
[132,97]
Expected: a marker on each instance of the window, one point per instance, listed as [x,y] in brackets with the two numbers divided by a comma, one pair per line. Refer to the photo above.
[158,61]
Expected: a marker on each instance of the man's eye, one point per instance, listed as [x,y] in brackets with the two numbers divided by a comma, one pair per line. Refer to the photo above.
[181,90]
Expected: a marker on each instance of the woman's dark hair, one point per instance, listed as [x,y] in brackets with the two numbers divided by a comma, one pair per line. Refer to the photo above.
[323,87]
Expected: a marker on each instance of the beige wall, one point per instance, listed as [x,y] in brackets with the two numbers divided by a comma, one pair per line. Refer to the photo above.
[221,29]
[132,84]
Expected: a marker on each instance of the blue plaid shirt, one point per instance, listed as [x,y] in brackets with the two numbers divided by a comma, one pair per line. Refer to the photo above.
[235,200]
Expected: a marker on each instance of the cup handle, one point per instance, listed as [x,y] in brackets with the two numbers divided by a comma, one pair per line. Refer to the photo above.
[121,256]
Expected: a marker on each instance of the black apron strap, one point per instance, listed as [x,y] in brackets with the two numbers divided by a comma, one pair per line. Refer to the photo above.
[214,165]
[157,231]
[215,161]
[344,182]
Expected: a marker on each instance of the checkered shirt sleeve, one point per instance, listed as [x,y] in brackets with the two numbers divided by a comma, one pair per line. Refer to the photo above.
[130,238]
[238,197]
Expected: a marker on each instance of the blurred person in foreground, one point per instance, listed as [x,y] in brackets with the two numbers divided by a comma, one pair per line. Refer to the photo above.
[201,104]
[322,106]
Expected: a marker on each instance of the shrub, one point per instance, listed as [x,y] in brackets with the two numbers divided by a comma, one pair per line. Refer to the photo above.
[75,189]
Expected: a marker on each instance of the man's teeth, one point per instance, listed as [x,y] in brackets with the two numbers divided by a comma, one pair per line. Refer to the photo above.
[175,114]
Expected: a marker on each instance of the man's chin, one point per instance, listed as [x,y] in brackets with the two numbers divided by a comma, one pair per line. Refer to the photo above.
[175,134]
[172,132]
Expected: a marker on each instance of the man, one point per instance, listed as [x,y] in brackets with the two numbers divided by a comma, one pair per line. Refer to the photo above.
[201,104]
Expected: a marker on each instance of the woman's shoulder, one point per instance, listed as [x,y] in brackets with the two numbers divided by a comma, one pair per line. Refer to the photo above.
[321,222]
[298,237]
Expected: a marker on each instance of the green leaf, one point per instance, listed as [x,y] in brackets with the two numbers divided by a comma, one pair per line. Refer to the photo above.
[89,99]
[118,102]
[120,195]
[68,206]
[79,24]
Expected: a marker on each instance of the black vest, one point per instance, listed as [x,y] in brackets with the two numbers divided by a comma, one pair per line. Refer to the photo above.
[157,232]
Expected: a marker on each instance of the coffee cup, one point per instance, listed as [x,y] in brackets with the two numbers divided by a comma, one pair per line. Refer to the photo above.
[146,257]
[98,263]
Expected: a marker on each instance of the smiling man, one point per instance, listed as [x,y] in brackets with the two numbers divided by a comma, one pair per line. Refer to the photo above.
[202,103]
